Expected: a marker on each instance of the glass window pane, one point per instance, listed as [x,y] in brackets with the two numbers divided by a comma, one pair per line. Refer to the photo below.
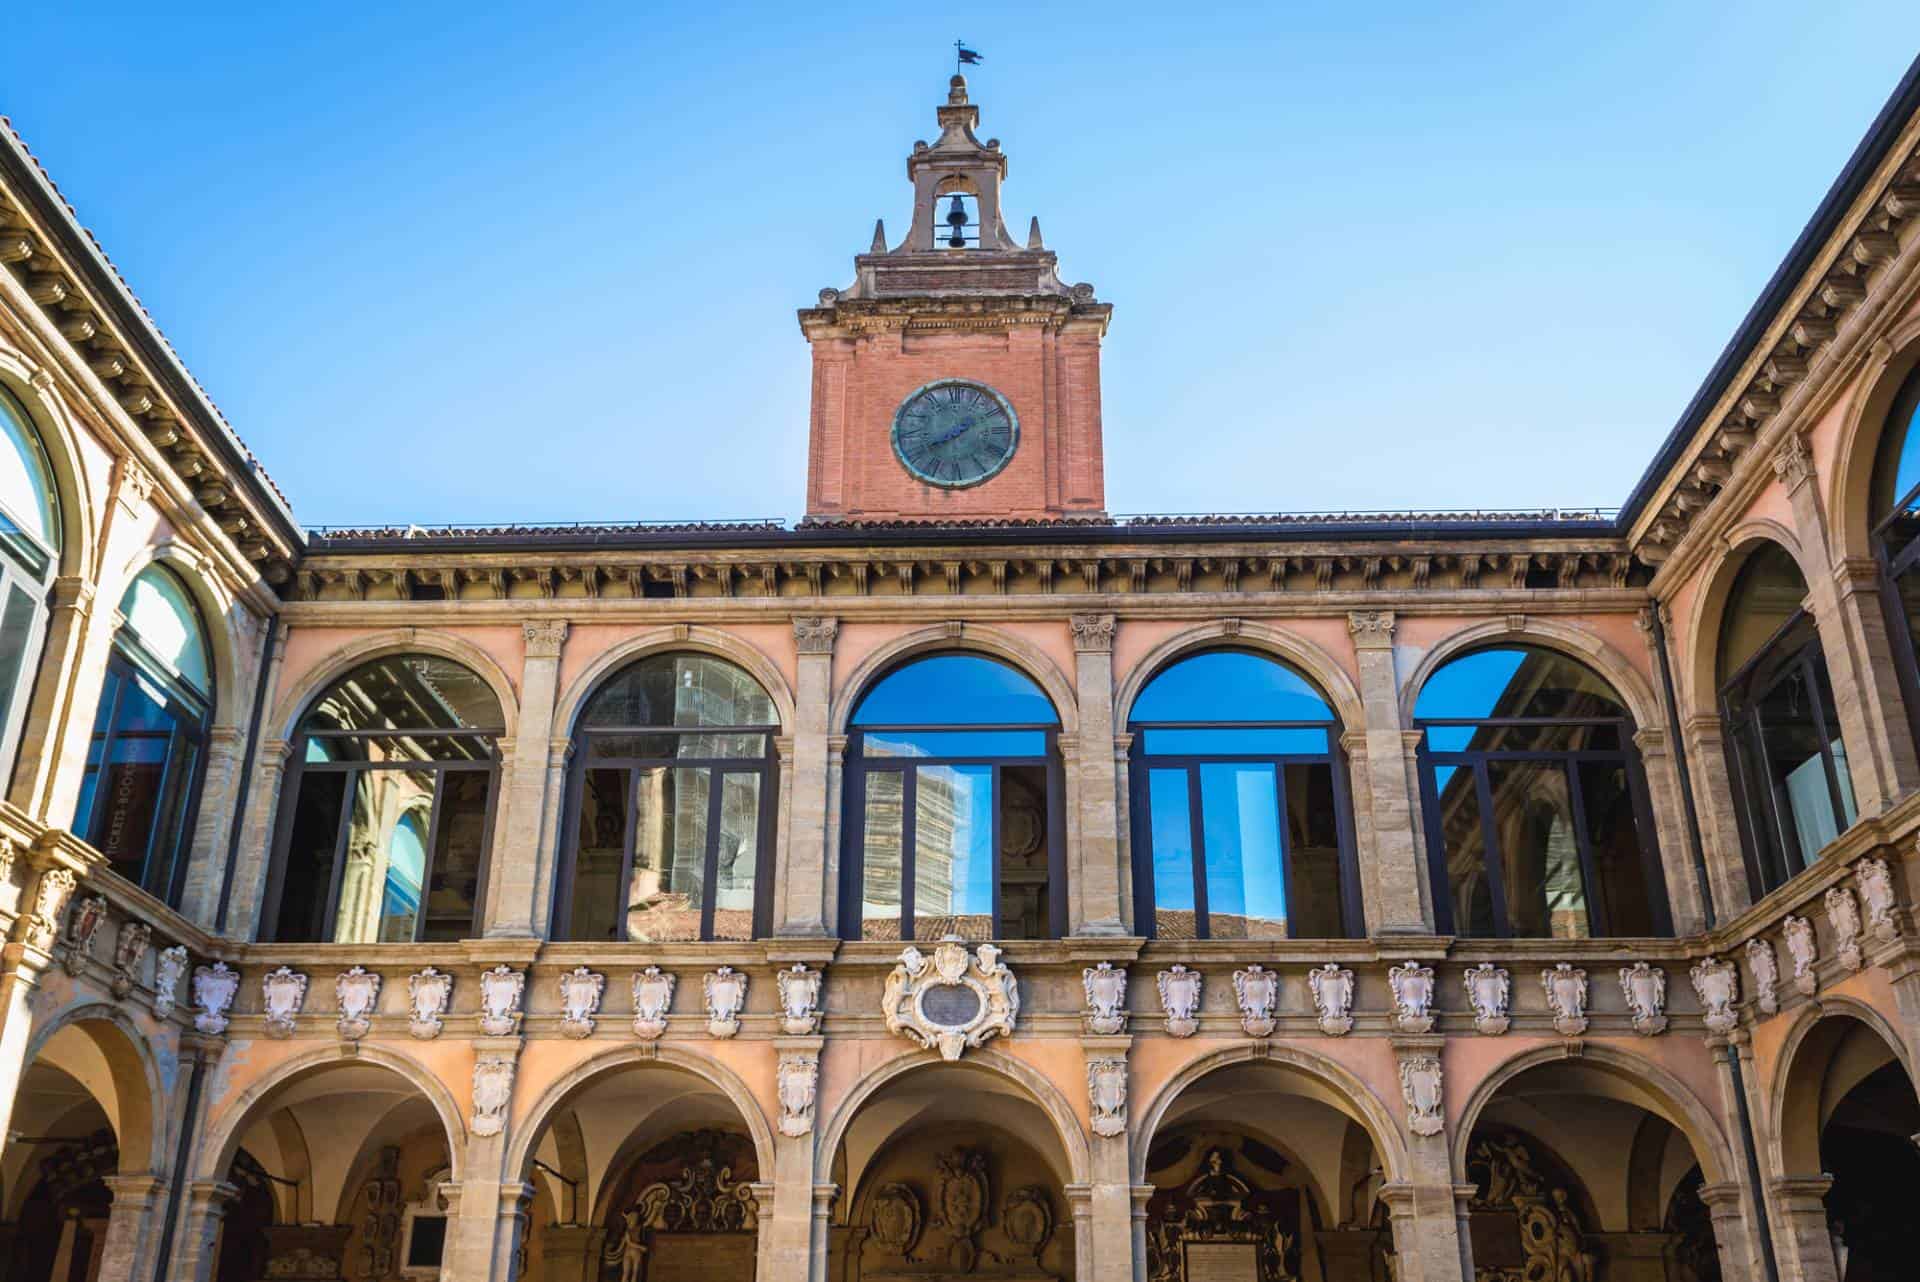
[1791,744]
[954,743]
[738,859]
[1540,869]
[1026,893]
[460,851]
[1240,826]
[1172,821]
[166,623]
[680,690]
[1516,681]
[667,889]
[386,856]
[955,690]
[172,839]
[1570,736]
[1463,849]
[407,692]
[27,496]
[953,852]
[601,836]
[1230,685]
[671,747]
[1768,592]
[378,749]
[1313,853]
[1237,741]
[126,790]
[881,849]
[1615,838]
[306,875]
[19,626]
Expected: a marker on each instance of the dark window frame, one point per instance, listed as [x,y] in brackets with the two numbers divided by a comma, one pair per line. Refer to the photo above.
[1895,539]
[1478,760]
[27,565]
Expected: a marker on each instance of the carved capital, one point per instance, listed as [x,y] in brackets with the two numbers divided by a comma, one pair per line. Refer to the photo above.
[544,639]
[1793,462]
[1372,629]
[814,634]
[1092,633]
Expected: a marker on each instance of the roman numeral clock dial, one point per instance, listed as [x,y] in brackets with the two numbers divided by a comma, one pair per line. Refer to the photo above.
[955,433]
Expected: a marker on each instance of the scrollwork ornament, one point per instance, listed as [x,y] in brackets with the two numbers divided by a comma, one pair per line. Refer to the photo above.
[1490,994]
[88,916]
[952,1000]
[799,1000]
[1421,1086]
[652,999]
[1843,915]
[798,1081]
[1875,879]
[355,994]
[129,949]
[1180,993]
[893,1217]
[1566,989]
[501,989]
[1766,975]
[1717,984]
[1332,989]
[169,965]
[1107,1094]
[429,992]
[492,1092]
[580,991]
[1645,988]
[283,992]
[214,988]
[50,895]
[1092,633]
[1106,989]
[1412,986]
[726,993]
[1257,991]
[1804,949]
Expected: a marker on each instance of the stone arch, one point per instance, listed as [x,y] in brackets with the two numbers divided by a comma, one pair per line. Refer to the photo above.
[222,1137]
[1643,1082]
[139,1107]
[221,615]
[1039,1088]
[1574,642]
[1332,1084]
[1310,660]
[700,640]
[80,519]
[293,703]
[1699,669]
[532,1124]
[1795,1093]
[1849,493]
[975,638]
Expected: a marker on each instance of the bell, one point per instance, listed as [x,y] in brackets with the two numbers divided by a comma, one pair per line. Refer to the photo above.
[957,219]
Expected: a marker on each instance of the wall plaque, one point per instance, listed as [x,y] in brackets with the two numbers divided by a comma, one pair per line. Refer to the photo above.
[1222,1262]
[697,1257]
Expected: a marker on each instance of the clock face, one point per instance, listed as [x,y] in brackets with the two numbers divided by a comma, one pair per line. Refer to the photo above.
[954,433]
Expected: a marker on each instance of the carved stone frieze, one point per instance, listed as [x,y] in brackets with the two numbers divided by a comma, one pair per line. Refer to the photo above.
[1180,993]
[1257,992]
[1332,988]
[356,992]
[1645,988]
[652,999]
[492,1091]
[952,1000]
[283,993]
[726,994]
[1804,949]
[1490,996]
[129,950]
[1766,975]
[88,916]
[1107,1094]
[501,989]
[1421,1086]
[168,968]
[1717,984]
[1106,989]
[799,1000]
[214,988]
[1413,993]
[1843,916]
[1566,989]
[429,992]
[797,1080]
[580,992]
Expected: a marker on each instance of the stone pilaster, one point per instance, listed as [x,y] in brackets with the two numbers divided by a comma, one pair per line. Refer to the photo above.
[524,841]
[256,841]
[49,885]
[1401,903]
[38,784]
[786,1218]
[486,1208]
[207,1205]
[1863,622]
[133,1224]
[1877,772]
[1104,1248]
[822,1205]
[1805,1240]
[1094,862]
[1670,831]
[1732,1231]
[1901,960]
[1427,1209]
[1710,759]
[200,892]
[1736,1205]
[1139,1196]
[804,895]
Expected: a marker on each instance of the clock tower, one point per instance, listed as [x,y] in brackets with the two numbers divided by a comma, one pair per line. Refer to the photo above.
[957,378]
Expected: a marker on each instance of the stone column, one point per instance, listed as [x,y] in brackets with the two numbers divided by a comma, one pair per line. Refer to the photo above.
[1141,1195]
[484,1207]
[44,895]
[1880,754]
[1901,959]
[1427,1209]
[1104,1249]
[803,884]
[1732,1231]
[1711,762]
[1863,620]
[1670,831]
[787,1223]
[1805,1241]
[200,892]
[245,902]
[823,1197]
[199,1249]
[1736,1205]
[37,762]
[1094,866]
[1402,905]
[524,841]
[132,1224]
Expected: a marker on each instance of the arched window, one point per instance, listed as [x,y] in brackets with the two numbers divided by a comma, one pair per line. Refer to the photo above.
[952,818]
[387,811]
[1536,811]
[29,552]
[144,765]
[1791,784]
[671,824]
[1895,511]
[1243,828]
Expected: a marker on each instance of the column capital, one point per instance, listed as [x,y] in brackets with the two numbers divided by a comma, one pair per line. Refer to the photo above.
[212,1197]
[815,633]
[545,638]
[1371,629]
[1793,462]
[824,1196]
[1093,633]
[138,1187]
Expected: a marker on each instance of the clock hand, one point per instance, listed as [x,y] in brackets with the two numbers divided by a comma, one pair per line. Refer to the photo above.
[956,430]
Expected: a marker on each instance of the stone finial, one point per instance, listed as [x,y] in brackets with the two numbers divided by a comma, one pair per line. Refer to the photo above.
[879,245]
[1033,234]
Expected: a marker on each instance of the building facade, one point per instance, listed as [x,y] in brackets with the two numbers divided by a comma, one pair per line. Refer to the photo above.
[960,882]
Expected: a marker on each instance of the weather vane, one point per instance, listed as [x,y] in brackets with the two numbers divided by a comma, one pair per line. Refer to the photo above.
[963,56]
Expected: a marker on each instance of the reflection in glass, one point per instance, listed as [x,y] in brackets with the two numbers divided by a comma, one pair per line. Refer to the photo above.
[1240,822]
[883,843]
[29,550]
[599,851]
[1533,808]
[666,890]
[954,690]
[379,896]
[307,859]
[1462,838]
[738,860]
[953,852]
[1172,832]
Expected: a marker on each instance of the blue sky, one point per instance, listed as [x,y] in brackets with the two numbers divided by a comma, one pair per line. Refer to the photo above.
[541,263]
